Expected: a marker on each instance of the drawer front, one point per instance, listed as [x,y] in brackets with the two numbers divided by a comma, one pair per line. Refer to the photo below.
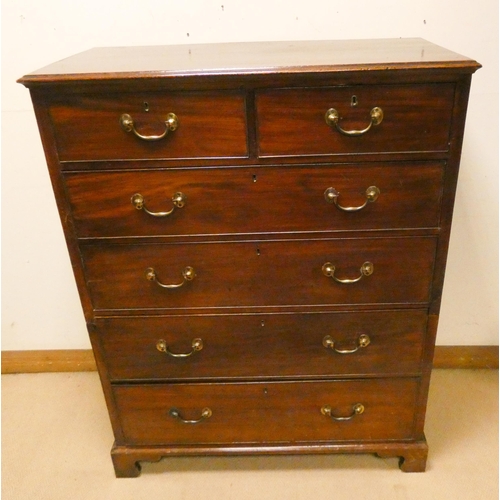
[271,273]
[283,345]
[208,125]
[255,200]
[415,118]
[266,412]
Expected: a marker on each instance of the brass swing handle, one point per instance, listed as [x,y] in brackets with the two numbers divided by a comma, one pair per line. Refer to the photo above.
[178,199]
[329,343]
[328,270]
[205,413]
[357,409]
[196,344]
[188,274]
[171,124]
[332,195]
[332,119]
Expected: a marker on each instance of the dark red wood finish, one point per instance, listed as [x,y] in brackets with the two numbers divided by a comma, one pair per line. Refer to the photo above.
[209,125]
[416,118]
[254,156]
[260,273]
[263,345]
[267,412]
[256,199]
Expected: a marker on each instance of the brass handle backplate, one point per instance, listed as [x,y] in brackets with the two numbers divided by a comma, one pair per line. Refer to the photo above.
[329,343]
[188,274]
[357,409]
[171,124]
[196,344]
[328,270]
[178,199]
[205,413]
[332,195]
[332,119]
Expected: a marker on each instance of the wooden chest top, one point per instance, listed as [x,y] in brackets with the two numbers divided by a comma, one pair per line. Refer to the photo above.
[258,58]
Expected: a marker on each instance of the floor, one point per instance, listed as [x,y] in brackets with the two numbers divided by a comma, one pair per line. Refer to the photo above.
[56,439]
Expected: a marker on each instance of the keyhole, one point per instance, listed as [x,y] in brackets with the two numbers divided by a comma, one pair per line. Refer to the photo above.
[262,323]
[258,251]
[146,106]
[354,101]
[254,178]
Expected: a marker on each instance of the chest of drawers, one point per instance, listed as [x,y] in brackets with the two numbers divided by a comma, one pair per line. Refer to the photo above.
[259,233]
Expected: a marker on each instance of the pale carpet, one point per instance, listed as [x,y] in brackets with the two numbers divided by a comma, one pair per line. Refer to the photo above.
[56,439]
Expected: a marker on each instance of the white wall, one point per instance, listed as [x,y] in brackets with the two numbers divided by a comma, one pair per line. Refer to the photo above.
[40,304]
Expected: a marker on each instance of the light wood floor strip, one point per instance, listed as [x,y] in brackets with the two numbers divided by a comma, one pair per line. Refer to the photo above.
[82,360]
[65,360]
[466,357]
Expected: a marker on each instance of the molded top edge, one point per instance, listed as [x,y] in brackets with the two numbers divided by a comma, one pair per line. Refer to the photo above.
[244,58]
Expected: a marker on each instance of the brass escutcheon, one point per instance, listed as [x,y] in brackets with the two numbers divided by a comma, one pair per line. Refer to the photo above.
[357,409]
[196,345]
[331,196]
[332,119]
[127,124]
[178,199]
[188,274]
[328,270]
[205,413]
[329,343]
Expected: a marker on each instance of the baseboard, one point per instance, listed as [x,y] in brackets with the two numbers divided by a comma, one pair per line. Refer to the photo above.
[82,360]
[64,360]
[470,356]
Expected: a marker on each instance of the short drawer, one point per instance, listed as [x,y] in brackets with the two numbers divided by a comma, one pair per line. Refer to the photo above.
[207,124]
[267,412]
[414,118]
[256,200]
[263,346]
[260,273]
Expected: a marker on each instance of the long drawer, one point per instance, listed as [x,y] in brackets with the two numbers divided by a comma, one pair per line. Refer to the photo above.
[267,412]
[414,118]
[256,200]
[260,273]
[207,124]
[263,346]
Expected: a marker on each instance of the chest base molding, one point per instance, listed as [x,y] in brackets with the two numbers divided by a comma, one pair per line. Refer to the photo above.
[412,455]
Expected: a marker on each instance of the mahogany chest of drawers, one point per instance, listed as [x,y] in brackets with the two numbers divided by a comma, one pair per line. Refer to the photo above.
[259,233]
